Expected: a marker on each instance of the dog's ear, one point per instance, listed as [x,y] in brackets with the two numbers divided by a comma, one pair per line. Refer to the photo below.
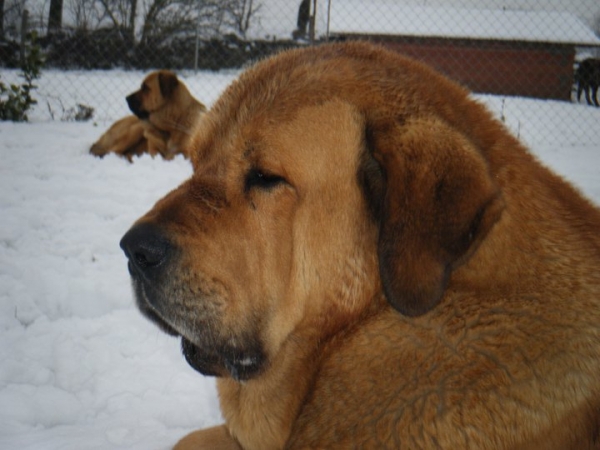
[436,204]
[167,81]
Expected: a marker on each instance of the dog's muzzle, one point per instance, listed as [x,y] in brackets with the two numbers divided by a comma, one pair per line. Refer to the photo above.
[149,253]
[152,259]
[136,106]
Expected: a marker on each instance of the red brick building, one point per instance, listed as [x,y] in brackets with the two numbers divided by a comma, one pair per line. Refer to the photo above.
[530,54]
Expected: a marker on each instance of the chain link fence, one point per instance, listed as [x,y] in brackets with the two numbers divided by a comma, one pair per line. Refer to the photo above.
[97,51]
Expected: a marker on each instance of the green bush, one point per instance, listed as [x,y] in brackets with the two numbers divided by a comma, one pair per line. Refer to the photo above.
[16,99]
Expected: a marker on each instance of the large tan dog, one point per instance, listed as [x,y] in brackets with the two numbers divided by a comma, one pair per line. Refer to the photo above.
[365,258]
[165,114]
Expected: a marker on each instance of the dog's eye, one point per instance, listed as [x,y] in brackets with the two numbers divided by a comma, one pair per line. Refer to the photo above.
[262,180]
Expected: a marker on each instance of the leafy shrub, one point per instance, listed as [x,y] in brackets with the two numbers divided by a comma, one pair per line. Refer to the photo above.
[16,99]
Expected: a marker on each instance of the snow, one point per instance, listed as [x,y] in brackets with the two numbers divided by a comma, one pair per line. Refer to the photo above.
[81,368]
[394,18]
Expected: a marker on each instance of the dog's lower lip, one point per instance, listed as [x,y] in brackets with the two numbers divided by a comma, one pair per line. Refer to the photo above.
[148,309]
[191,354]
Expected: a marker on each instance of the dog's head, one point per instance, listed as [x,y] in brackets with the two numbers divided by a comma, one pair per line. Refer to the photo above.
[156,90]
[325,180]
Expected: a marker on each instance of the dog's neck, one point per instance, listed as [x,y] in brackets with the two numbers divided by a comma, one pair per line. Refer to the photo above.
[253,415]
[260,413]
[180,115]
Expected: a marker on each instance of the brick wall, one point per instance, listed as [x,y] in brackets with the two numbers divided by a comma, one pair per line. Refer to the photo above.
[496,67]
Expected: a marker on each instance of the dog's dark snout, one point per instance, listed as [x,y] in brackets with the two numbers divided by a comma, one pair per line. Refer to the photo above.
[147,249]
[136,107]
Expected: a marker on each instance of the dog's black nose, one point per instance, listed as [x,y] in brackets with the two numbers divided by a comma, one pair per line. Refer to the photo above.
[147,249]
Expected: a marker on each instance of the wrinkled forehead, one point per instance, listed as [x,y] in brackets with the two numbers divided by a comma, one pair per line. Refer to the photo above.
[311,143]
[268,96]
[150,80]
[299,147]
[219,139]
[247,132]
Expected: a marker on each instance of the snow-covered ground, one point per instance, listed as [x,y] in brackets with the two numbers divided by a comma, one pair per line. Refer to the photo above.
[80,368]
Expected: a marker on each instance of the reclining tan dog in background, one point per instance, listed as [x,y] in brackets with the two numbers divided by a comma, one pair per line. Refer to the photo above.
[366,258]
[165,114]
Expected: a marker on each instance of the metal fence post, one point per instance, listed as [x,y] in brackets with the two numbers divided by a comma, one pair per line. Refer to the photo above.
[311,23]
[24,26]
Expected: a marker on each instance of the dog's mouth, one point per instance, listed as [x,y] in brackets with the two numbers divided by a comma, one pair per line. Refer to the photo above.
[240,365]
[207,354]
[143,115]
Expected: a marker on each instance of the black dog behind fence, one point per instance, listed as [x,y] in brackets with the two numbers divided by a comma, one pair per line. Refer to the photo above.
[587,78]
